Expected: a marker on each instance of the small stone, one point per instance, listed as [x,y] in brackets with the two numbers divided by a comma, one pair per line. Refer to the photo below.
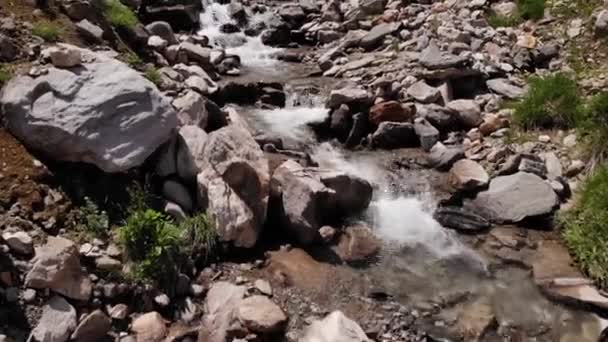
[327,233]
[119,311]
[196,290]
[575,167]
[259,314]
[570,140]
[93,327]
[29,295]
[64,56]
[241,280]
[263,286]
[19,242]
[106,263]
[544,138]
[162,300]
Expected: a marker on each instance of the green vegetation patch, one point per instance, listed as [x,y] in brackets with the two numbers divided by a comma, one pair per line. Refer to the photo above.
[5,75]
[47,30]
[92,222]
[526,10]
[595,126]
[585,228]
[551,101]
[120,15]
[154,76]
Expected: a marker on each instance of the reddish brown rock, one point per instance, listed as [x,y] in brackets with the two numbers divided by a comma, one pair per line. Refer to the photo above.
[391,111]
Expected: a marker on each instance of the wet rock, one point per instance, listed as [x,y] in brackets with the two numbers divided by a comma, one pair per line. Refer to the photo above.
[340,122]
[75,118]
[57,267]
[336,327]
[260,315]
[149,327]
[90,31]
[394,135]
[57,322]
[505,88]
[163,30]
[468,112]
[19,241]
[391,111]
[468,175]
[182,16]
[376,35]
[442,157]
[424,93]
[276,36]
[357,243]
[93,327]
[64,56]
[427,133]
[516,197]
[578,291]
[358,131]
[293,14]
[461,219]
[220,304]
[351,96]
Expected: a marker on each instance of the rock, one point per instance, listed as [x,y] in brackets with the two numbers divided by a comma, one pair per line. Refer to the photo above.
[157,43]
[394,135]
[163,30]
[57,322]
[162,300]
[72,116]
[119,311]
[293,14]
[376,35]
[93,327]
[491,123]
[106,263]
[309,6]
[336,327]
[220,304]
[90,31]
[370,7]
[358,131]
[179,194]
[327,233]
[391,111]
[570,291]
[19,242]
[149,327]
[432,58]
[351,96]
[570,140]
[468,111]
[505,9]
[340,122]
[8,49]
[424,93]
[601,23]
[461,219]
[503,87]
[235,183]
[467,175]
[190,159]
[442,157]
[191,109]
[196,53]
[357,243]
[56,266]
[182,16]
[64,56]
[575,167]
[328,36]
[29,296]
[533,164]
[260,315]
[174,211]
[263,286]
[351,193]
[427,133]
[552,165]
[510,199]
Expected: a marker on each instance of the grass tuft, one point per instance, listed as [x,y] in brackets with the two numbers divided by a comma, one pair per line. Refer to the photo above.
[93,223]
[584,227]
[154,76]
[120,15]
[531,9]
[47,30]
[553,100]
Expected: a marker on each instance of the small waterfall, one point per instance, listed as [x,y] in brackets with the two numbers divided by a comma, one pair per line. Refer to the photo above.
[251,50]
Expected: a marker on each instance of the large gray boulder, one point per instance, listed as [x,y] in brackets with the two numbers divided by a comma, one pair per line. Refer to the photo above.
[516,197]
[57,322]
[336,327]
[102,112]
[57,267]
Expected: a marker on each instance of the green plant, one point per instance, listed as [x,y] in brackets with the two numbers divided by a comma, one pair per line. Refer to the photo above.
[140,198]
[154,76]
[575,8]
[585,228]
[133,60]
[531,9]
[551,101]
[47,30]
[201,235]
[93,222]
[120,15]
[5,75]
[595,125]
[497,20]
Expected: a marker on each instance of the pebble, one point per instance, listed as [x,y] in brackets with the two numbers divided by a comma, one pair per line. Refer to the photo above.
[29,295]
[544,139]
[263,286]
[162,300]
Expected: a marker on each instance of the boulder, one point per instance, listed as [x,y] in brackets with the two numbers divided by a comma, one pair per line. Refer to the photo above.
[56,266]
[376,35]
[424,93]
[468,175]
[93,327]
[394,135]
[427,134]
[190,160]
[512,198]
[293,14]
[461,219]
[433,58]
[77,10]
[440,117]
[336,327]
[163,30]
[351,194]
[220,304]
[149,327]
[57,322]
[191,109]
[90,31]
[341,122]
[391,111]
[260,315]
[8,50]
[73,116]
[442,157]
[351,96]
[468,112]
[357,243]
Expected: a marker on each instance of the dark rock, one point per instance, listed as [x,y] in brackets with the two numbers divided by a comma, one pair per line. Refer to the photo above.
[394,135]
[427,133]
[440,117]
[90,31]
[8,49]
[229,28]
[461,219]
[272,96]
[181,15]
[163,30]
[358,131]
[341,122]
[276,36]
[293,14]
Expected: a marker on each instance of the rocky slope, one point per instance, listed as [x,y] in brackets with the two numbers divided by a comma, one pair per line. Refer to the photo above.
[322,232]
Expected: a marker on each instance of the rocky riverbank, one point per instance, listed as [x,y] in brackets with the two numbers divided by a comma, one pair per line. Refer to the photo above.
[307,171]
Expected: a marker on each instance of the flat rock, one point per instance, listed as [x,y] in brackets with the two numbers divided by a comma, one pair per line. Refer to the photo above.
[424,93]
[468,112]
[516,197]
[503,87]
[376,35]
[427,133]
[19,242]
[442,157]
[336,327]
[57,322]
[348,95]
[468,175]
[357,243]
[260,315]
[433,58]
[461,219]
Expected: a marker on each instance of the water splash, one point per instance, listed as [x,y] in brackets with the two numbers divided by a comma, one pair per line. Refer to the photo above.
[292,122]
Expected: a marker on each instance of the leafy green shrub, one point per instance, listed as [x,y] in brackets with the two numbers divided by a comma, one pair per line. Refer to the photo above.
[133,60]
[201,235]
[585,227]
[531,9]
[94,223]
[120,15]
[496,20]
[5,75]
[551,101]
[154,76]
[47,30]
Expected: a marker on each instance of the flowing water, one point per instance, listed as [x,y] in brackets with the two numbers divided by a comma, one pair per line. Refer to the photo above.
[421,261]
